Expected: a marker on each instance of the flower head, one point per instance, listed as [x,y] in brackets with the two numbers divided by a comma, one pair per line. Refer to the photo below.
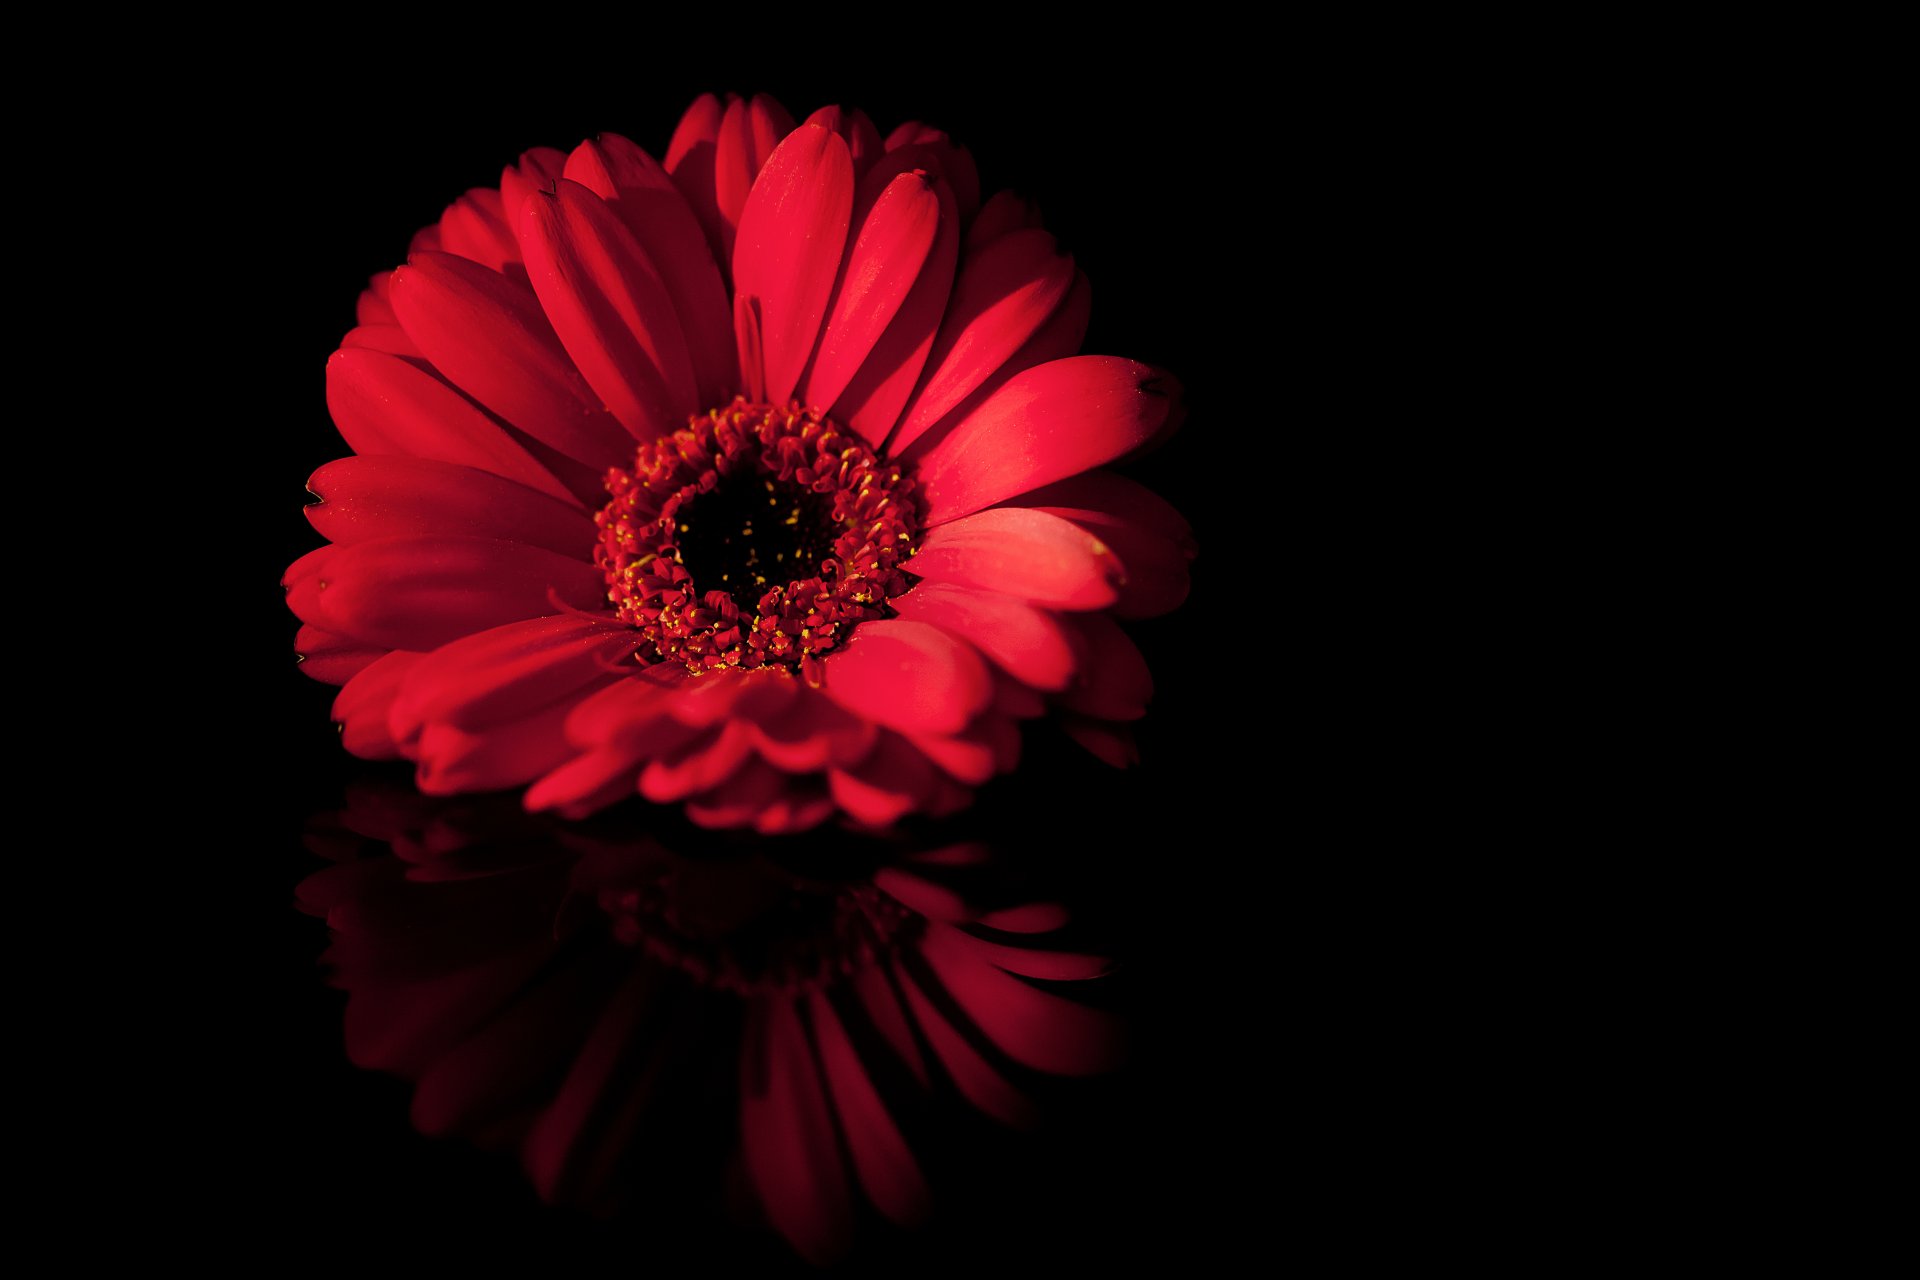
[767,480]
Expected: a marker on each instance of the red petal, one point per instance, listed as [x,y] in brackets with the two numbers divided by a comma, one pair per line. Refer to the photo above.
[740,799]
[1113,683]
[1051,422]
[643,196]
[508,673]
[1057,339]
[385,405]
[332,659]
[475,227]
[610,309]
[363,499]
[453,761]
[787,1136]
[1005,293]
[925,146]
[1030,555]
[882,1160]
[1150,537]
[1033,1027]
[1026,642]
[361,707]
[872,402]
[490,338]
[880,270]
[690,160]
[1006,212]
[856,130]
[968,758]
[390,338]
[811,733]
[536,170]
[703,764]
[420,593]
[749,135]
[792,231]
[372,306]
[892,782]
[908,676]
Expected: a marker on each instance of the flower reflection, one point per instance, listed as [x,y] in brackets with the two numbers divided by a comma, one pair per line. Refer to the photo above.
[631,1009]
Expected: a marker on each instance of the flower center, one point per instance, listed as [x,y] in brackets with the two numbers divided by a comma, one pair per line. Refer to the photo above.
[757,535]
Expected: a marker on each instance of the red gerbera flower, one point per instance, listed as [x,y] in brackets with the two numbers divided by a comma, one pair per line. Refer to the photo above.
[607,1006]
[767,480]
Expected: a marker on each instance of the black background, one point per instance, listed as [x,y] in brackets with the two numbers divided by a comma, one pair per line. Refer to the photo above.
[1170,194]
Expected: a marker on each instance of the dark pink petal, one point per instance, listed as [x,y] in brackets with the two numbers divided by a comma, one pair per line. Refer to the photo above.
[475,227]
[361,707]
[976,1079]
[792,231]
[787,1135]
[1047,964]
[1051,422]
[463,1089]
[420,593]
[645,199]
[872,402]
[364,499]
[1029,555]
[390,338]
[509,672]
[536,170]
[690,162]
[332,659]
[604,1067]
[385,405]
[1005,212]
[881,269]
[1108,742]
[908,676]
[1028,917]
[888,1018]
[923,897]
[1026,642]
[1113,682]
[610,309]
[749,135]
[372,306]
[1033,1027]
[882,1160]
[856,130]
[490,338]
[1005,293]
[892,782]
[454,760]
